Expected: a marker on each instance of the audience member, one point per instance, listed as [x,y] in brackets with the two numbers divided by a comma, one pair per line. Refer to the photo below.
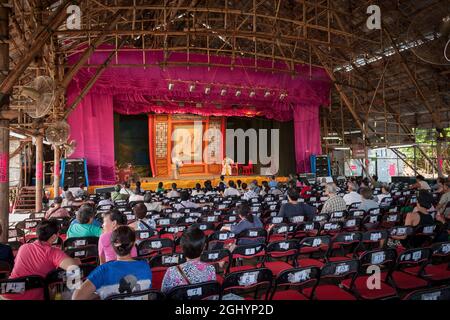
[197,190]
[150,204]
[39,258]
[126,189]
[174,192]
[193,271]
[367,201]
[125,275]
[334,203]
[352,196]
[231,191]
[57,211]
[294,208]
[420,184]
[185,202]
[84,228]
[117,195]
[111,221]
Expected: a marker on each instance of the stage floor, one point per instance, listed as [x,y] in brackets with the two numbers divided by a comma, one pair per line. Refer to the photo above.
[189,182]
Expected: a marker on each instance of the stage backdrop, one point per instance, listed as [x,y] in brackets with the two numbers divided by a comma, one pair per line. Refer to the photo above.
[137,90]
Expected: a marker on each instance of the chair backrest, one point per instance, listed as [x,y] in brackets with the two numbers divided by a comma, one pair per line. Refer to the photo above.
[356,213]
[80,242]
[296,277]
[339,270]
[440,293]
[19,286]
[283,248]
[201,291]
[254,235]
[400,231]
[252,281]
[374,239]
[88,253]
[150,294]
[215,257]
[248,251]
[318,244]
[145,234]
[5,270]
[441,251]
[381,257]
[57,280]
[414,257]
[166,260]
[155,246]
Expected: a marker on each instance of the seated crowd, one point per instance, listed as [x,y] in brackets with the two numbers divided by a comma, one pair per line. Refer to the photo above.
[233,238]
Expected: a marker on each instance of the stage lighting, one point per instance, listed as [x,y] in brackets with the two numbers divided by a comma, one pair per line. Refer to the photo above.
[223,92]
[238,93]
[341,148]
[207,90]
[171,85]
[252,94]
[282,96]
[266,94]
[191,87]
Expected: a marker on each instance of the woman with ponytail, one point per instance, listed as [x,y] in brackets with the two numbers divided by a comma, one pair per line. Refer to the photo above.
[111,220]
[125,275]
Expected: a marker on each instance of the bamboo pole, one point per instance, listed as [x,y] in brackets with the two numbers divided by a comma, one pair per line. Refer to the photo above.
[39,173]
[56,174]
[4,124]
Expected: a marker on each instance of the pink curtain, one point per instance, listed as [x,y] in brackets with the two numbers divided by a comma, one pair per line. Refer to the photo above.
[135,90]
[92,127]
[307,135]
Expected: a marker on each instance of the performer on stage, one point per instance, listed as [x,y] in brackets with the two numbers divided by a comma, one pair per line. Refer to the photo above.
[226,166]
[177,163]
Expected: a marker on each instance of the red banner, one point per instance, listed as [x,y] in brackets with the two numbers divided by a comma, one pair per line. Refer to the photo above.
[4,168]
[39,171]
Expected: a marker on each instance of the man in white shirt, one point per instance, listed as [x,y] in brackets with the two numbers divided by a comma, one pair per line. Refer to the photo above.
[352,196]
[173,193]
[126,189]
[135,198]
[185,202]
[231,190]
[152,206]
[420,184]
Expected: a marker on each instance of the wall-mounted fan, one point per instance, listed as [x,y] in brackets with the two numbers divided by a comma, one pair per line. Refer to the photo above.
[57,133]
[40,95]
[432,27]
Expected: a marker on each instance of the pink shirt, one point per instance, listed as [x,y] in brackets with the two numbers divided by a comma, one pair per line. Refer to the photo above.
[37,258]
[105,248]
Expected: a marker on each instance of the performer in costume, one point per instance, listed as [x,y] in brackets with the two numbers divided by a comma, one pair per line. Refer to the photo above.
[177,163]
[226,166]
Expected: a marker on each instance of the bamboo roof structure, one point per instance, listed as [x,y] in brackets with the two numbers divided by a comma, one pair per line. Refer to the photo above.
[381,89]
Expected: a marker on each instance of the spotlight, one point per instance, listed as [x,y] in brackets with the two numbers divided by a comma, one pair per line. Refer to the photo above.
[191,87]
[171,85]
[238,93]
[207,90]
[266,94]
[252,94]
[223,92]
[282,96]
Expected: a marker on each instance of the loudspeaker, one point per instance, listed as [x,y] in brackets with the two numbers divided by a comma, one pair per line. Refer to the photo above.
[74,173]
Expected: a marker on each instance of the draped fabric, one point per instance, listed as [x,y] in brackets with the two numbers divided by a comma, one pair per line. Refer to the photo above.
[151,121]
[136,90]
[92,127]
[307,136]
